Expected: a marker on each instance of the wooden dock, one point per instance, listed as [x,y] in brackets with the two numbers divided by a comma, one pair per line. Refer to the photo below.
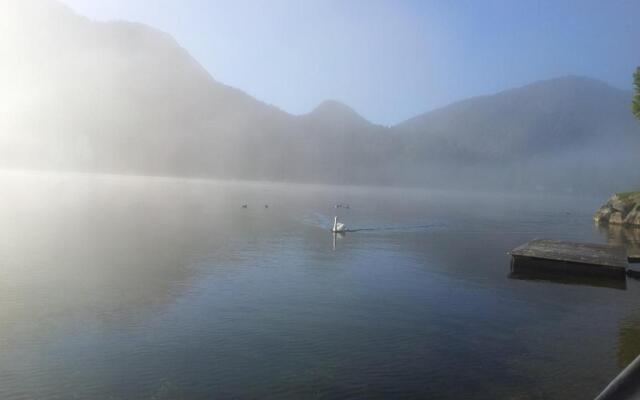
[571,258]
[545,275]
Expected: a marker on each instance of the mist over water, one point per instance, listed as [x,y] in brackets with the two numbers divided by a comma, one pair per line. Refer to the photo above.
[119,287]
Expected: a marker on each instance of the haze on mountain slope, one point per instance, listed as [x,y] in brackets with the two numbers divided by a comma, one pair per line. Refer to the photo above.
[125,98]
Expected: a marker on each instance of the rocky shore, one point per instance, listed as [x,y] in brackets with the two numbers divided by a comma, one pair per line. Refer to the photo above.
[620,209]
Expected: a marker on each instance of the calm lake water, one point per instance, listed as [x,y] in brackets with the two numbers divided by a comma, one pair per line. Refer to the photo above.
[150,288]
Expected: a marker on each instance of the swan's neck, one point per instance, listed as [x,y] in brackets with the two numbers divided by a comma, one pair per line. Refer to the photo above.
[335,222]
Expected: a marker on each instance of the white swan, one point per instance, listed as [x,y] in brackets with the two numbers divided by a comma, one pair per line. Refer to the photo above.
[338,226]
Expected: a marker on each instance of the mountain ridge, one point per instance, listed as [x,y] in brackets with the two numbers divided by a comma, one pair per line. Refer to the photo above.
[123,97]
[508,91]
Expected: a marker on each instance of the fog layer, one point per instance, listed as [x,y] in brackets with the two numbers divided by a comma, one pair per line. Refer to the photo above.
[125,98]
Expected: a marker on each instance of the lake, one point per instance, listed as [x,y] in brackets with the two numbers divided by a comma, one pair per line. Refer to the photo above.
[116,287]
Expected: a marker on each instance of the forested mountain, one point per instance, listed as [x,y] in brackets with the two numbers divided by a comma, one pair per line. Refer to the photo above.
[126,98]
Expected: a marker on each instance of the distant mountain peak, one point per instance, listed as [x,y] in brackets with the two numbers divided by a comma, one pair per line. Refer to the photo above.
[335,109]
[566,81]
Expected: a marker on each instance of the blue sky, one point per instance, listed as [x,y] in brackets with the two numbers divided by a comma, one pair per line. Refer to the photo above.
[391,60]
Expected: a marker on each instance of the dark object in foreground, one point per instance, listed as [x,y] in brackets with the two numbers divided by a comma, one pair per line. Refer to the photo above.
[624,386]
[571,258]
[533,274]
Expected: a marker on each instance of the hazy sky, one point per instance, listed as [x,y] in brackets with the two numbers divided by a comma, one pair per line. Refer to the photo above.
[391,60]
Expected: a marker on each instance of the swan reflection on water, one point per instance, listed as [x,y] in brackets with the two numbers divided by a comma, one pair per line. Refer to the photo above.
[335,236]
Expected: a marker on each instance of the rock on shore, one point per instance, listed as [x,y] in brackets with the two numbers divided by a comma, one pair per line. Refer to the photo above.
[620,209]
